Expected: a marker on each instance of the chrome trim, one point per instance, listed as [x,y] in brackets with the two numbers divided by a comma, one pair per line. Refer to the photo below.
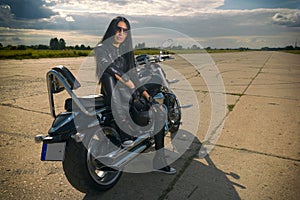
[69,90]
[131,155]
[78,137]
[39,138]
[98,174]
[159,97]
[186,106]
[72,116]
[163,77]
[173,81]
[119,158]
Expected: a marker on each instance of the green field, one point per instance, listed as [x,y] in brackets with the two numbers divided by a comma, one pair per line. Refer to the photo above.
[292,51]
[35,54]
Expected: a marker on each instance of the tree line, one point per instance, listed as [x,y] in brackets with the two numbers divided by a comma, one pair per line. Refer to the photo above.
[195,47]
[60,44]
[54,44]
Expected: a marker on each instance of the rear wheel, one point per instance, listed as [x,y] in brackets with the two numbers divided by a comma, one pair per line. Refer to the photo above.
[83,171]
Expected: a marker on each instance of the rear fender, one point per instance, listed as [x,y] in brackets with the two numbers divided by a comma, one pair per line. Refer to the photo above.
[63,124]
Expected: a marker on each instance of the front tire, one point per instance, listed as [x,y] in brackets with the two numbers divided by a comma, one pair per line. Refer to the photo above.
[174,114]
[83,172]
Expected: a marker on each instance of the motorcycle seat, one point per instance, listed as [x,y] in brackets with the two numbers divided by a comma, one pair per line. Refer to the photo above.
[89,102]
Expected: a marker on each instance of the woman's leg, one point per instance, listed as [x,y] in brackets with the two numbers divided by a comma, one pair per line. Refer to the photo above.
[159,139]
[107,85]
[113,97]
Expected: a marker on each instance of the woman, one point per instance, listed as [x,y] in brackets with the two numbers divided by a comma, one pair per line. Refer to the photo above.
[116,66]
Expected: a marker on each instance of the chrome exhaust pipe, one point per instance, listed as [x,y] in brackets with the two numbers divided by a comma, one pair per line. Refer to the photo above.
[130,155]
[121,157]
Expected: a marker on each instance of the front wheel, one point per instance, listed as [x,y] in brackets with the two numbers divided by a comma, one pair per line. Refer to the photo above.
[174,114]
[81,169]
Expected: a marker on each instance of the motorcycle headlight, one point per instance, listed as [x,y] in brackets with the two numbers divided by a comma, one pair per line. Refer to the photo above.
[159,98]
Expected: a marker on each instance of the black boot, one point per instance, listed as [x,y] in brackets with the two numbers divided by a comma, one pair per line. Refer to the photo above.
[126,139]
[160,164]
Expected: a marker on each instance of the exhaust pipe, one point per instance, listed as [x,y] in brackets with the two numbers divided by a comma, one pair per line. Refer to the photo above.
[130,155]
[121,157]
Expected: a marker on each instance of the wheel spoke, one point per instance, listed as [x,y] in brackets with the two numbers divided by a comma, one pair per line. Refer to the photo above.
[98,147]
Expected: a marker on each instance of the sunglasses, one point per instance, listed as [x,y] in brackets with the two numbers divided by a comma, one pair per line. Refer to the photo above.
[120,29]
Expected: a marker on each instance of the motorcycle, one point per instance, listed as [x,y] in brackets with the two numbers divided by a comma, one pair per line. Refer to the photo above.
[85,136]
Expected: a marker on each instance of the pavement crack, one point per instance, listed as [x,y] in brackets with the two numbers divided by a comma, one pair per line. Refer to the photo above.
[187,163]
[273,97]
[258,152]
[24,96]
[192,192]
[250,83]
[16,134]
[259,71]
[21,108]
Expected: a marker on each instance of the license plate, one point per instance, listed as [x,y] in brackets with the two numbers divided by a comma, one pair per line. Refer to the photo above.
[53,151]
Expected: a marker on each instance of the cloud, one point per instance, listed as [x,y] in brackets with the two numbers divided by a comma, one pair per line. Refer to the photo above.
[250,41]
[220,23]
[288,19]
[7,19]
[138,7]
[29,9]
[216,21]
[69,19]
[120,2]
[254,4]
[35,37]
[5,15]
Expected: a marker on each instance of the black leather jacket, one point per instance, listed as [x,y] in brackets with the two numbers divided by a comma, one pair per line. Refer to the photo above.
[110,62]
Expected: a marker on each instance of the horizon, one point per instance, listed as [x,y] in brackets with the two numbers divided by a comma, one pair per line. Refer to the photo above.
[295,46]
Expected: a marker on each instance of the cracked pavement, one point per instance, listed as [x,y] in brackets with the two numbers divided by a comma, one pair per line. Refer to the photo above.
[257,156]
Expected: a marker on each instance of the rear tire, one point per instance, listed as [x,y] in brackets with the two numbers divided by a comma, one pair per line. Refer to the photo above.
[83,172]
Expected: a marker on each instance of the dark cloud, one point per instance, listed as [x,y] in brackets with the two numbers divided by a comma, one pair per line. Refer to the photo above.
[86,23]
[287,19]
[223,25]
[118,2]
[254,4]
[213,25]
[29,9]
[8,19]
[5,15]
[16,39]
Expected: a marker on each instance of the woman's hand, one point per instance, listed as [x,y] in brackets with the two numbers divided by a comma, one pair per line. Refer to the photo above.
[146,95]
[128,83]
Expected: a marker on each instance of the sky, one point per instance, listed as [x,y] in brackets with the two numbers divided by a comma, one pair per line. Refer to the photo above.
[212,23]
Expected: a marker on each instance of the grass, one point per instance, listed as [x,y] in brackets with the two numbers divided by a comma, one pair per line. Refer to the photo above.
[146,51]
[230,107]
[34,54]
[235,94]
[292,51]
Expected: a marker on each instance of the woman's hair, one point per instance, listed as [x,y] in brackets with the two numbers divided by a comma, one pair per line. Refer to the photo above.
[126,48]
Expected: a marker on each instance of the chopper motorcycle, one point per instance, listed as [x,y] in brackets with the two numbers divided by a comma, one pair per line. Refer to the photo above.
[85,136]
